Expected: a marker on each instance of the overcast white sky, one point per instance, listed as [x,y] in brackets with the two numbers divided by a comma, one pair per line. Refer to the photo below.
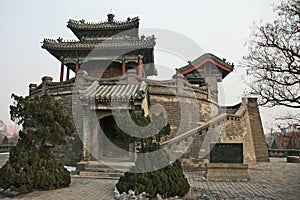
[219,27]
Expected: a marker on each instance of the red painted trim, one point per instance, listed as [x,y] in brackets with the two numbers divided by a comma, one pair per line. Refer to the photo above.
[123,67]
[140,66]
[62,67]
[77,66]
[194,67]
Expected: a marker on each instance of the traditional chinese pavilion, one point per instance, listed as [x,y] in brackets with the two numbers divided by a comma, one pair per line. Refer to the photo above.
[207,65]
[207,69]
[106,49]
[114,63]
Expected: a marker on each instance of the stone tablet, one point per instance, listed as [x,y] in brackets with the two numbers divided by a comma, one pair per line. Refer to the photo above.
[226,153]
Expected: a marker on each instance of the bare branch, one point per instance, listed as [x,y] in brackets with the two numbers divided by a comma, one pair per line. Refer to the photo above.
[274,58]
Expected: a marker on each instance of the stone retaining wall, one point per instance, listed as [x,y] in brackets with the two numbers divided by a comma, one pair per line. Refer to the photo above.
[186,107]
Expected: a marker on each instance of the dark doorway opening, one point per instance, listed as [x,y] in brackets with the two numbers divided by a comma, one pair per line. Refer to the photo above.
[116,144]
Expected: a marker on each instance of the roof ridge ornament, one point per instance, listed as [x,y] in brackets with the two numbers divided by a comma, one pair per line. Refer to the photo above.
[59,39]
[110,17]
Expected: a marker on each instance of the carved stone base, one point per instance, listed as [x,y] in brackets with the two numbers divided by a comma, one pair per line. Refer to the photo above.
[227,172]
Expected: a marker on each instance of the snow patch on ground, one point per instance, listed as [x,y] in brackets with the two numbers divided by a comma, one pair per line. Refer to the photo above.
[70,168]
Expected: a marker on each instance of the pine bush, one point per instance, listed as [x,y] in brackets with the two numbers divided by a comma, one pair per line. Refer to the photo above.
[31,165]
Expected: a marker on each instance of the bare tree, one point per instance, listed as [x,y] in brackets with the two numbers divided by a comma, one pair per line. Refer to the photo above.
[274,58]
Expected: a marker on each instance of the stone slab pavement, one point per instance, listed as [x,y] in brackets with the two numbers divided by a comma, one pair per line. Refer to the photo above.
[275,180]
[79,189]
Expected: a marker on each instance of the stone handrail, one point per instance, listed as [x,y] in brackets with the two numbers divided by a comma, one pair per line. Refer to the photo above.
[67,82]
[52,86]
[238,114]
[195,130]
[241,111]
[36,92]
[171,82]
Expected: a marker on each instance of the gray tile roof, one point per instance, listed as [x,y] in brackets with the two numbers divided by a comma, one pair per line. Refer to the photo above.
[119,92]
[105,25]
[107,44]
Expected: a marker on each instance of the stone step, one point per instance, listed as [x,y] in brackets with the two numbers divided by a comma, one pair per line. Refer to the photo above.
[113,167]
[100,175]
[96,166]
[102,169]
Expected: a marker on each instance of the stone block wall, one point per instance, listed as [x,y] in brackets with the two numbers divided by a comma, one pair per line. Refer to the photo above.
[256,129]
[182,111]
[236,131]
[192,113]
[244,126]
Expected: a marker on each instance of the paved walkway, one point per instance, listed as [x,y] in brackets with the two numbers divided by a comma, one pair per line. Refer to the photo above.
[275,180]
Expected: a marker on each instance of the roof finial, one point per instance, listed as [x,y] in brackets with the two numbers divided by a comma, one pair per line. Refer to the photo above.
[110,17]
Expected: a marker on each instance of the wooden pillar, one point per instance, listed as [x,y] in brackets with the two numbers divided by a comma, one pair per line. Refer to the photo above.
[68,73]
[140,67]
[62,70]
[293,142]
[123,67]
[77,66]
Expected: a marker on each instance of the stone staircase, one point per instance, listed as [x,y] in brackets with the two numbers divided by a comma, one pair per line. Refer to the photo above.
[95,169]
[100,175]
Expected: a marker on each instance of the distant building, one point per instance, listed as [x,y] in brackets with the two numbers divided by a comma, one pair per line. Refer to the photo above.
[3,128]
[288,138]
[13,130]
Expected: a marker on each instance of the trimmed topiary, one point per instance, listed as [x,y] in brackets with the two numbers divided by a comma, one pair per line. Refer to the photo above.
[168,182]
[44,174]
[158,175]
